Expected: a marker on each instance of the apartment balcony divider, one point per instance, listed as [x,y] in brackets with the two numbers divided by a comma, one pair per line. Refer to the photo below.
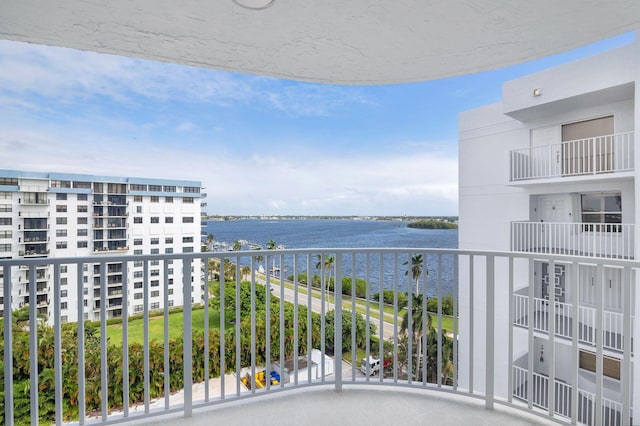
[105,380]
[607,240]
[591,156]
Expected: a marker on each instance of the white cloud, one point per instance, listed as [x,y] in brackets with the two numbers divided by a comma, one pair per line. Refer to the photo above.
[313,183]
[67,76]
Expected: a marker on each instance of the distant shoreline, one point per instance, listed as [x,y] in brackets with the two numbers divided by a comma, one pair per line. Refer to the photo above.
[411,219]
[432,224]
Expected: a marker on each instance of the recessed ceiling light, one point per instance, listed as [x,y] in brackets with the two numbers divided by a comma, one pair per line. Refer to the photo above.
[254,4]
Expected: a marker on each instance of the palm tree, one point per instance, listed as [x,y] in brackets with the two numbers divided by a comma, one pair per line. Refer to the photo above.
[416,327]
[326,262]
[259,257]
[271,245]
[237,246]
[416,269]
[210,238]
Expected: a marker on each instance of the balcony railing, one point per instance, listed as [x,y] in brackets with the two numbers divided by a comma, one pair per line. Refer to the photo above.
[611,410]
[592,156]
[283,335]
[609,240]
[611,326]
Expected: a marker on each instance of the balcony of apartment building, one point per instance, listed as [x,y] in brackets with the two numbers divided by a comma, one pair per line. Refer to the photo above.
[565,394]
[560,296]
[295,361]
[603,157]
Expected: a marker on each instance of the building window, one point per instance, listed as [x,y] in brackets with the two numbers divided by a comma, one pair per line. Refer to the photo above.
[155,219]
[137,285]
[5,195]
[155,199]
[155,241]
[5,221]
[187,200]
[168,199]
[5,248]
[137,296]
[82,221]
[82,185]
[187,219]
[138,209]
[602,212]
[168,219]
[155,283]
[5,208]
[137,198]
[8,181]
[137,219]
[61,232]
[137,308]
[155,305]
[63,269]
[137,251]
[137,264]
[82,209]
[170,291]
[61,245]
[61,196]
[83,232]
[154,263]
[137,242]
[155,251]
[61,220]
[187,239]
[82,197]
[137,187]
[60,208]
[82,244]
[169,188]
[168,240]
[63,305]
[155,188]
[155,293]
[63,293]
[168,250]
[187,250]
[64,318]
[61,184]
[192,189]
[155,273]
[138,274]
[64,281]
[6,234]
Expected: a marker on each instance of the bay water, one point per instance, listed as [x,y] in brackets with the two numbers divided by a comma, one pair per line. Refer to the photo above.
[343,233]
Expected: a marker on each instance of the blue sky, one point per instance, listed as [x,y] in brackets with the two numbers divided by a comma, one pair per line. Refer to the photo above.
[260,145]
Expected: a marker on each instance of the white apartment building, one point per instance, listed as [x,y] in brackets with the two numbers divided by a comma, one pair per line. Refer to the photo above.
[551,169]
[74,215]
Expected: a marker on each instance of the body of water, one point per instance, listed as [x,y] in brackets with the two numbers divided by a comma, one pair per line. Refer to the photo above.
[313,234]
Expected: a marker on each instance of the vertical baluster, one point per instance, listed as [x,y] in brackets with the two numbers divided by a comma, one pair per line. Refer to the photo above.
[510,335]
[167,376]
[145,315]
[104,377]
[207,373]
[490,330]
[81,349]
[57,343]
[8,348]
[125,338]
[188,336]
[337,306]
[296,305]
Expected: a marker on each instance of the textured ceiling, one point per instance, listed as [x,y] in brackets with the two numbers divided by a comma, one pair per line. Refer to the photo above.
[333,41]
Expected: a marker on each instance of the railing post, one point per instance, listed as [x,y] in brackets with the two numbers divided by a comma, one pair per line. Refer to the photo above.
[490,312]
[188,337]
[337,344]
[8,348]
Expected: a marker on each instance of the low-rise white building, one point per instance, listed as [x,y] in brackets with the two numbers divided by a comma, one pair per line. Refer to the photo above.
[551,169]
[73,215]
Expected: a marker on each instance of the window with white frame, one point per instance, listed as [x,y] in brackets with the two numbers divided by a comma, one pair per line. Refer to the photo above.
[602,212]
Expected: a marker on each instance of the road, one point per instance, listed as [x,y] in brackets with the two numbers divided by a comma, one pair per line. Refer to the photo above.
[316,306]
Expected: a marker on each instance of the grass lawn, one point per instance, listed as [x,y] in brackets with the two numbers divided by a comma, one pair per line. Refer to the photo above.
[156,326]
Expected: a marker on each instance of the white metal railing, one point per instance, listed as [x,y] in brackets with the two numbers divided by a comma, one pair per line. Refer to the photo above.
[611,410]
[612,322]
[609,240]
[80,370]
[540,389]
[591,156]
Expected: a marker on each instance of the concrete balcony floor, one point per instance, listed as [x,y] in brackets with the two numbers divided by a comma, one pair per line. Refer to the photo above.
[355,405]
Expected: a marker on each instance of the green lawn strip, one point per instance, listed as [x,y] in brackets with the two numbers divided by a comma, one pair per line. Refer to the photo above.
[360,355]
[156,326]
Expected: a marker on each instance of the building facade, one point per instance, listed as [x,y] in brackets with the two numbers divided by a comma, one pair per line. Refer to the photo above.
[73,215]
[551,169]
